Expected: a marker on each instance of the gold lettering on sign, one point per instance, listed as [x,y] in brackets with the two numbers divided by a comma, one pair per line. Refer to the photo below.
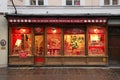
[3,48]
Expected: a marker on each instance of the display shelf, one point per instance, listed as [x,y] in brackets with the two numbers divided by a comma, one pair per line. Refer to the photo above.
[74,56]
[53,56]
[19,56]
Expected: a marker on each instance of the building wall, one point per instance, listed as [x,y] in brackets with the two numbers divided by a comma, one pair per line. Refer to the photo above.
[59,2]
[92,2]
[3,6]
[54,2]
[3,35]
[16,2]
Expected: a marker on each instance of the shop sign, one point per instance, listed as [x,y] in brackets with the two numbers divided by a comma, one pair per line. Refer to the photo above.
[3,43]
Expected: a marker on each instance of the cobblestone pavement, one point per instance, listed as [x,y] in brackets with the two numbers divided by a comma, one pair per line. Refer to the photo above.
[59,73]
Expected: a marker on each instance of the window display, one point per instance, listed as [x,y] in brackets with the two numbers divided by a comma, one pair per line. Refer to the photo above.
[53,41]
[39,44]
[96,41]
[74,41]
[21,41]
[42,45]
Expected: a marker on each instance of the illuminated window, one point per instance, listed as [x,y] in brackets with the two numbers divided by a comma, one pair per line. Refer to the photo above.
[96,41]
[74,42]
[53,41]
[21,40]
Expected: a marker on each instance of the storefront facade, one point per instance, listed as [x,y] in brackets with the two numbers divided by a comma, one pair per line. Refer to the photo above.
[57,40]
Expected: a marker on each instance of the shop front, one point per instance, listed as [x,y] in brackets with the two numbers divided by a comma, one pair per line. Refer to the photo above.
[57,40]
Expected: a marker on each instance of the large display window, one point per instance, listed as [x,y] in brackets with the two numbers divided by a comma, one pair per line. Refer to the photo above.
[21,49]
[74,42]
[51,45]
[21,40]
[96,41]
[54,41]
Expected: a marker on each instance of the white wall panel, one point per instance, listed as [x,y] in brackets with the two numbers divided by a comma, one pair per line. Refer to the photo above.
[3,35]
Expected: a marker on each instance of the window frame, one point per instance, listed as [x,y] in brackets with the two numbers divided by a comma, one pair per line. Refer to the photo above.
[73,3]
[111,3]
[37,3]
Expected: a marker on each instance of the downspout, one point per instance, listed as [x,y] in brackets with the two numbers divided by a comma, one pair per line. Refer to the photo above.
[14,6]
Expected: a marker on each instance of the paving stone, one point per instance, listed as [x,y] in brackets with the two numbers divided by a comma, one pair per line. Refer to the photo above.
[59,74]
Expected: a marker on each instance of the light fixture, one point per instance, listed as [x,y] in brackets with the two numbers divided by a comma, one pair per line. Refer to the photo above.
[22,30]
[96,30]
[53,30]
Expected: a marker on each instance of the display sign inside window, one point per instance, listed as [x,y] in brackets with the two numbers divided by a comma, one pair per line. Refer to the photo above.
[74,42]
[39,30]
[96,41]
[22,55]
[74,31]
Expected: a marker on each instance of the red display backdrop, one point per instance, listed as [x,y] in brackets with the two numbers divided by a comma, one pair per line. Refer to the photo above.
[96,41]
[18,35]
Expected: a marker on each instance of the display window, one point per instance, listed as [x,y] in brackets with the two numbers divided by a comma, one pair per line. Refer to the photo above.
[48,45]
[53,41]
[74,42]
[96,41]
[21,40]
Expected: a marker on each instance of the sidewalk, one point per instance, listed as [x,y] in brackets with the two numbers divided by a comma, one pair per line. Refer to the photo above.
[60,73]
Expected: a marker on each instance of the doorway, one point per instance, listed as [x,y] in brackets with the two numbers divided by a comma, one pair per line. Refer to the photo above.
[114,46]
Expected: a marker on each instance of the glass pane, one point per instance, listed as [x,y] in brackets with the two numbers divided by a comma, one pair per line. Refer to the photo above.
[33,2]
[96,41]
[76,2]
[107,2]
[74,42]
[21,41]
[115,2]
[40,2]
[68,2]
[39,46]
[53,41]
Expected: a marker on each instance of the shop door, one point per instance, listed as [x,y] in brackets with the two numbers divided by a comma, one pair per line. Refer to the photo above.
[114,46]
